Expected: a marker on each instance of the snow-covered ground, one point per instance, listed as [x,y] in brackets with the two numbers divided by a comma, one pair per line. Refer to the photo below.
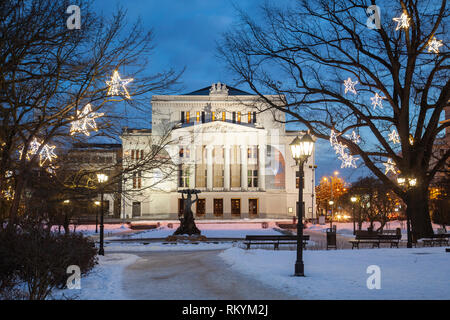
[346,228]
[422,273]
[103,282]
[210,230]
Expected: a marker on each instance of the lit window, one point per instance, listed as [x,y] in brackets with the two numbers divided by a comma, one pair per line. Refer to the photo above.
[224,117]
[249,115]
[198,116]
[187,117]
[213,116]
[239,117]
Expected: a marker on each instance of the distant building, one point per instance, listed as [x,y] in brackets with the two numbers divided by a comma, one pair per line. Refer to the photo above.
[83,162]
[237,155]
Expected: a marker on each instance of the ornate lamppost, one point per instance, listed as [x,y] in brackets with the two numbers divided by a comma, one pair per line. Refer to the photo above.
[301,150]
[102,178]
[408,183]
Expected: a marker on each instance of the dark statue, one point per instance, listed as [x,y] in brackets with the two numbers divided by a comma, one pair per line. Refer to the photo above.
[187,224]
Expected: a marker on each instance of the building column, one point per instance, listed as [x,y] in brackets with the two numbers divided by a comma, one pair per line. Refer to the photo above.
[192,161]
[209,168]
[244,182]
[226,169]
[262,167]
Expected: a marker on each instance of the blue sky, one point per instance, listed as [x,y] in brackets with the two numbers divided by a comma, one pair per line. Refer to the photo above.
[186,35]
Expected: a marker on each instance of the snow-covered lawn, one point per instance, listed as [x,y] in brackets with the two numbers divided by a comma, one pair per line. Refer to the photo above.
[422,273]
[210,230]
[103,282]
[346,228]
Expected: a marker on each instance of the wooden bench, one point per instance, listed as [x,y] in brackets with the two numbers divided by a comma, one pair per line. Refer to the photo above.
[276,240]
[439,239]
[376,238]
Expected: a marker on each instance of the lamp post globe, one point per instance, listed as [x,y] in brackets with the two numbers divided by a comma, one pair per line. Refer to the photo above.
[301,150]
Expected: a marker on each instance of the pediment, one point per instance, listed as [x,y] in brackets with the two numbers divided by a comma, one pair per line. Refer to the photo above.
[219,127]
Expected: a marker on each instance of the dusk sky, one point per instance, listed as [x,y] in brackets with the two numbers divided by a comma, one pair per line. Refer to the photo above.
[186,36]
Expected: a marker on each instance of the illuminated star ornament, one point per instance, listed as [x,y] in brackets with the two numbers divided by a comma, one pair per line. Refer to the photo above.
[32,149]
[389,166]
[350,85]
[394,137]
[402,22]
[354,137]
[46,153]
[347,159]
[433,45]
[86,119]
[117,86]
[377,101]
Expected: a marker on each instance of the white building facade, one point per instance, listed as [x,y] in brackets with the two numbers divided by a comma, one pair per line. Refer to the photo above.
[225,145]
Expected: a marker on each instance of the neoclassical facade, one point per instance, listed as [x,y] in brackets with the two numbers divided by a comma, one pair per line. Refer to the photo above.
[224,144]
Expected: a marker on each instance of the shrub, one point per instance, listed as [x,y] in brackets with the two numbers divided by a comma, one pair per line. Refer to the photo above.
[36,260]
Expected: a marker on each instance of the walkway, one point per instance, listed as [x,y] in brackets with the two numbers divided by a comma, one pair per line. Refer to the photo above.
[198,275]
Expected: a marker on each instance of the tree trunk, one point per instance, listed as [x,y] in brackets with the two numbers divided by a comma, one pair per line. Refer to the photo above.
[417,210]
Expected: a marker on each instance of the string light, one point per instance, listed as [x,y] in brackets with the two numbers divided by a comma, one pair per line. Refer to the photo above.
[377,101]
[433,45]
[116,85]
[389,166]
[32,149]
[394,137]
[402,22]
[86,119]
[350,85]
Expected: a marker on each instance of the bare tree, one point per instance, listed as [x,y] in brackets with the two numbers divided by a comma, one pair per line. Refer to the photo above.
[305,53]
[50,73]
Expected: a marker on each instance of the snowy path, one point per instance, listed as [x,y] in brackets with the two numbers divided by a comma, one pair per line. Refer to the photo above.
[178,275]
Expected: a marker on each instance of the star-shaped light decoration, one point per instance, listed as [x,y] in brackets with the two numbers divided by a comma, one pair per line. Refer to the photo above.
[86,119]
[350,85]
[354,137]
[433,45]
[348,160]
[390,166]
[116,85]
[394,137]
[46,154]
[32,149]
[402,22]
[377,101]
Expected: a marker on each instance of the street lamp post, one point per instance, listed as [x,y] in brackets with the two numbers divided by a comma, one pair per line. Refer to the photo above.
[408,183]
[301,151]
[97,203]
[353,200]
[102,178]
[331,202]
